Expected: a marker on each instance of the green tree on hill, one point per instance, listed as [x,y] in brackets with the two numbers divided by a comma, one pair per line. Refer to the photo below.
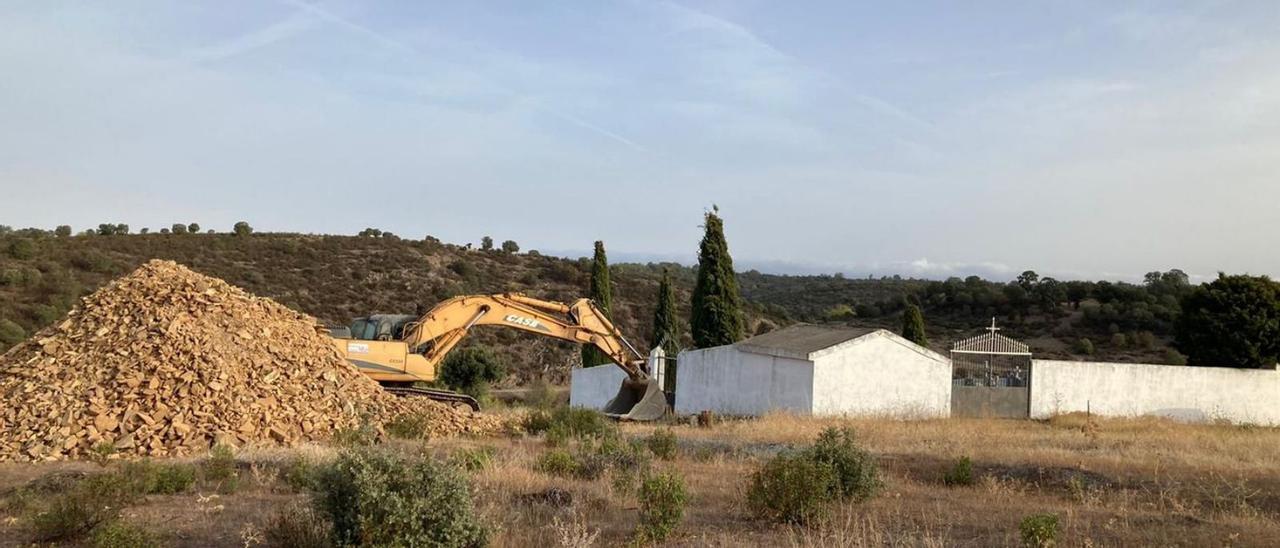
[1233,321]
[242,228]
[913,326]
[666,324]
[510,246]
[601,293]
[22,249]
[62,231]
[717,305]
[486,244]
[193,228]
[178,228]
[10,334]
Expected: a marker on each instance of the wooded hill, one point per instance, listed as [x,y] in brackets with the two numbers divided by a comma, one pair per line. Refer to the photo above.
[336,278]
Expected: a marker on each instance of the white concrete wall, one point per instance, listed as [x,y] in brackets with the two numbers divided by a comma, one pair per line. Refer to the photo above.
[727,381]
[594,387]
[882,374]
[1250,396]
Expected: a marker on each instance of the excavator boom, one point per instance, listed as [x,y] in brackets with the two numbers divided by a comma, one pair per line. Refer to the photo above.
[416,350]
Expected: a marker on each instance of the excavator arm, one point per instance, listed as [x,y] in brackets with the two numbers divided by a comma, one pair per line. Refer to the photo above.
[420,348]
[443,327]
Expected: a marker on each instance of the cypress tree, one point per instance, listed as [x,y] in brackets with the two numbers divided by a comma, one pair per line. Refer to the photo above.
[602,293]
[913,326]
[717,306]
[666,326]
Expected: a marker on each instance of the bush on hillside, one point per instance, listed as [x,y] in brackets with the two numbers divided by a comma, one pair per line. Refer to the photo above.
[11,333]
[22,249]
[470,370]
[1039,530]
[117,534]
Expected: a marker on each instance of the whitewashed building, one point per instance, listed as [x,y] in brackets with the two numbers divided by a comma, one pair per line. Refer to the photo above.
[816,370]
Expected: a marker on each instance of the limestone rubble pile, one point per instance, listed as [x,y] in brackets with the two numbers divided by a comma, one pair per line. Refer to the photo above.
[166,361]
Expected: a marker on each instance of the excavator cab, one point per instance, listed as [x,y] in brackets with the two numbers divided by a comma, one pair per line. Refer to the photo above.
[380,327]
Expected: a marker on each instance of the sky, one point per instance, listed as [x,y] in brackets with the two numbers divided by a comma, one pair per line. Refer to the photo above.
[1080,139]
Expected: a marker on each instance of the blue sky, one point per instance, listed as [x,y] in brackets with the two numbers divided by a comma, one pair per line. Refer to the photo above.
[1080,139]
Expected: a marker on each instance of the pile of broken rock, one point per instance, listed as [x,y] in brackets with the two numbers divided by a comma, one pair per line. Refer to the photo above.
[166,361]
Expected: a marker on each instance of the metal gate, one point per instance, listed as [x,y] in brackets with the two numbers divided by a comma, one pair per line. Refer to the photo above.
[991,377]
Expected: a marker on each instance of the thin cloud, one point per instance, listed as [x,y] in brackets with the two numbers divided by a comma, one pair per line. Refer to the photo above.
[687,18]
[405,47]
[294,25]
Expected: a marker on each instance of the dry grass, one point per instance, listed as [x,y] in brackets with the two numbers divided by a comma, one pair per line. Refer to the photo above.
[1111,482]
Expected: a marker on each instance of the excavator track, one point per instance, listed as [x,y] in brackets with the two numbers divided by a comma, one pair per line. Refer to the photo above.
[442,396]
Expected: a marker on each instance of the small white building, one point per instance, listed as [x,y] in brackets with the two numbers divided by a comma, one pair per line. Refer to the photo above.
[818,370]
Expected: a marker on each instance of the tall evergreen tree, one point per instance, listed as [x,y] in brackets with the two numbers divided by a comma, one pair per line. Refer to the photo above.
[913,326]
[666,325]
[717,306]
[602,293]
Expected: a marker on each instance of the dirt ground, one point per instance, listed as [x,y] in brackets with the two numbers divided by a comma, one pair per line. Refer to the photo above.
[1138,482]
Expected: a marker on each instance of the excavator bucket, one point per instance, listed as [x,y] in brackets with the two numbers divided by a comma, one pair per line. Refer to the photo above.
[638,401]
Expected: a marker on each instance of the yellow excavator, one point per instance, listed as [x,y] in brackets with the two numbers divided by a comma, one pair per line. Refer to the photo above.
[399,351]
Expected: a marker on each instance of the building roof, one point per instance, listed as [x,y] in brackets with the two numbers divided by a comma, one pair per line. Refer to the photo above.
[801,340]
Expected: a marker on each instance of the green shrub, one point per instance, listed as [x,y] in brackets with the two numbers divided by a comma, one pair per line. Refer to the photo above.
[410,426]
[1039,530]
[540,395]
[171,479]
[557,462]
[961,473]
[298,526]
[791,488]
[662,443]
[117,534]
[92,501]
[796,486]
[470,370]
[92,261]
[593,458]
[359,436]
[857,476]
[537,422]
[11,333]
[1084,346]
[473,459]
[380,499]
[220,469]
[300,474]
[144,477]
[101,452]
[582,423]
[22,249]
[662,501]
